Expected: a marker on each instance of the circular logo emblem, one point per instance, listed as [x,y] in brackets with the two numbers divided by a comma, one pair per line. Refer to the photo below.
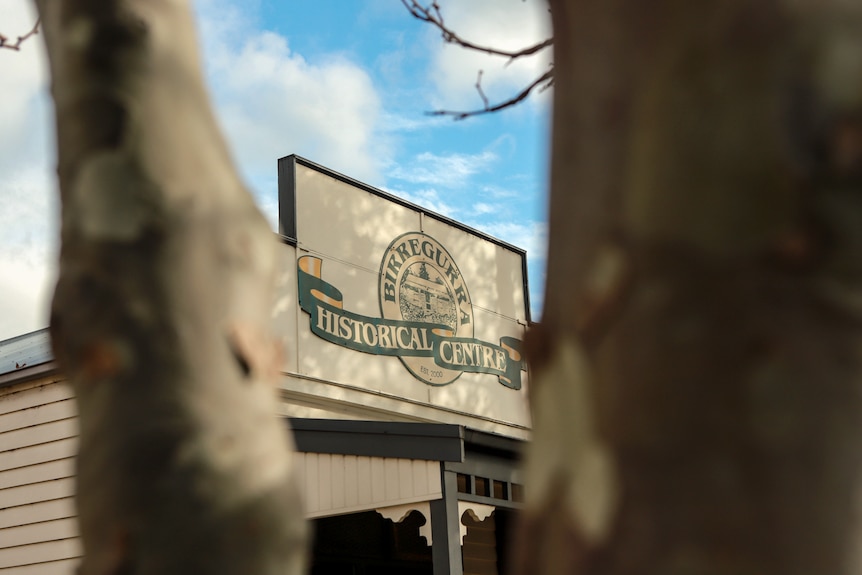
[421,284]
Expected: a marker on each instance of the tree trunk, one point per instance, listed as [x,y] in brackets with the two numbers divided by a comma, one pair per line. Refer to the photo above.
[697,376]
[161,313]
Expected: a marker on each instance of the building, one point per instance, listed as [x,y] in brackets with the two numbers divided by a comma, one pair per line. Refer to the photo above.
[404,384]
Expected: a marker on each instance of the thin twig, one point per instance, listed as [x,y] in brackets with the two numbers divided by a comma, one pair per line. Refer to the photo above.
[480,90]
[4,41]
[432,15]
[543,82]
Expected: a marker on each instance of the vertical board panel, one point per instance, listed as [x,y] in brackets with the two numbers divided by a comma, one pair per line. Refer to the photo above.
[435,484]
[299,459]
[338,484]
[312,483]
[351,481]
[364,480]
[391,479]
[405,478]
[378,480]
[324,463]
[419,471]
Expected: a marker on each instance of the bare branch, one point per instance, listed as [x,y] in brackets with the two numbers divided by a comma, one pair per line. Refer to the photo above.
[432,15]
[480,90]
[543,82]
[5,43]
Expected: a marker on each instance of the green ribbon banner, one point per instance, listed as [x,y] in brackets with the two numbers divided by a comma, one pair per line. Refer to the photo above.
[380,336]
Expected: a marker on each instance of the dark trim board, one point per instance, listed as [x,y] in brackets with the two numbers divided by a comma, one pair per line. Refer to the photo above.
[501,503]
[287,197]
[492,444]
[446,529]
[487,466]
[526,275]
[29,373]
[434,442]
[429,441]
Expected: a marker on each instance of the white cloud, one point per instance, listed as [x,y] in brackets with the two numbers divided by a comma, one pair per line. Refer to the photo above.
[428,199]
[531,236]
[28,222]
[270,101]
[501,24]
[397,123]
[28,205]
[25,292]
[481,208]
[23,85]
[499,193]
[450,170]
[273,102]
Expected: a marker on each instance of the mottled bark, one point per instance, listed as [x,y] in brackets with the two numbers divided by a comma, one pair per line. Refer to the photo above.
[697,377]
[161,313]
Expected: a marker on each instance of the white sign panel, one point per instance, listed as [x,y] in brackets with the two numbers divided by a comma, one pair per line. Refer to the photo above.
[395,300]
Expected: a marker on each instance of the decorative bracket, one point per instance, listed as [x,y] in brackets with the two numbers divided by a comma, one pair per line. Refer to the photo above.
[398,513]
[478,511]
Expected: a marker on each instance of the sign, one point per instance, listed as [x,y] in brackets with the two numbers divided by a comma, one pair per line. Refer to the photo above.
[427,316]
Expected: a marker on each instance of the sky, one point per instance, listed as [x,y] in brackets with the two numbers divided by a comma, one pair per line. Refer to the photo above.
[345,84]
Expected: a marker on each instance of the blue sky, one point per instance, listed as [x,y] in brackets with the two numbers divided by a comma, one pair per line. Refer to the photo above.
[345,84]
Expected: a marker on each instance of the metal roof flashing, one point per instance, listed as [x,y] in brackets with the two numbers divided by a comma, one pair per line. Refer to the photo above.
[25,356]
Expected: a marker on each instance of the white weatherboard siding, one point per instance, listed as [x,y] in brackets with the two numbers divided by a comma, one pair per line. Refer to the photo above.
[38,436]
[38,534]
